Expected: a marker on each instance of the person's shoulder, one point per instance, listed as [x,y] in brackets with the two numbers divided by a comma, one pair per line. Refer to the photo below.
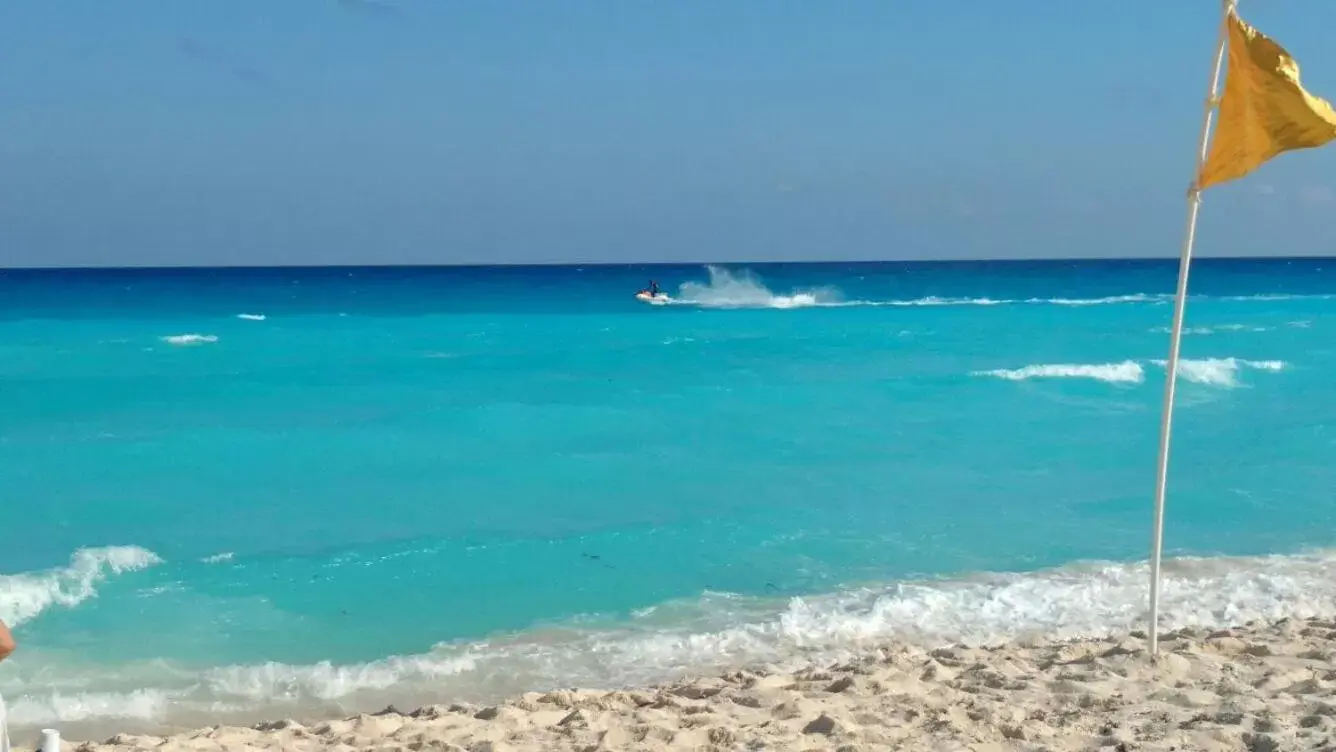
[7,644]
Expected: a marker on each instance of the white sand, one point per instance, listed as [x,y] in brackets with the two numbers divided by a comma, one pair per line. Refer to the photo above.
[1258,688]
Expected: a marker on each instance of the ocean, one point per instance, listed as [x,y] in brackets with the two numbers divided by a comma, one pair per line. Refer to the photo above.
[242,494]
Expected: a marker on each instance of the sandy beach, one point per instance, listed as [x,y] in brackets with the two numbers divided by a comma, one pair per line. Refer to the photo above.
[1260,687]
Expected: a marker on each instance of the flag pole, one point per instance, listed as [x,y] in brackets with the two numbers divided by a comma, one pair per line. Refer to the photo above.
[1176,334]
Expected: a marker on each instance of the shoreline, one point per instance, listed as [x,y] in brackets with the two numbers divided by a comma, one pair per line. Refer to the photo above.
[1262,686]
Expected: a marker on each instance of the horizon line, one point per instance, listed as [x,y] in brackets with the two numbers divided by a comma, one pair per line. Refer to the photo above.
[635,264]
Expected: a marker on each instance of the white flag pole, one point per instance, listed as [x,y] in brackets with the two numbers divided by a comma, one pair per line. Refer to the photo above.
[1176,335]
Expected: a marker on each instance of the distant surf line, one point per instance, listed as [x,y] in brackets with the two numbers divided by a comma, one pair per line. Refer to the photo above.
[728,289]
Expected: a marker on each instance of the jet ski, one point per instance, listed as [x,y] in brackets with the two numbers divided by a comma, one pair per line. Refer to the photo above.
[653,298]
[652,295]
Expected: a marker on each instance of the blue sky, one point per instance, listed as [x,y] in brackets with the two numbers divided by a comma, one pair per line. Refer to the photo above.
[213,132]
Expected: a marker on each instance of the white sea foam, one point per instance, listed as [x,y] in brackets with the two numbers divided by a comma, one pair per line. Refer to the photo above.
[218,558]
[933,300]
[73,707]
[252,316]
[1222,372]
[742,290]
[1186,330]
[1131,298]
[327,681]
[190,339]
[1126,372]
[1276,297]
[1111,299]
[1215,329]
[714,632]
[24,596]
[729,289]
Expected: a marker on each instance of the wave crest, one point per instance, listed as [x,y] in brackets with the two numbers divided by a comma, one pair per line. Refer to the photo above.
[1126,372]
[1220,371]
[25,596]
[711,633]
[190,339]
[1212,371]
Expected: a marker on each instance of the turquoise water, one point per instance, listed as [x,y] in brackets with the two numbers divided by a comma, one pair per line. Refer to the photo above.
[261,493]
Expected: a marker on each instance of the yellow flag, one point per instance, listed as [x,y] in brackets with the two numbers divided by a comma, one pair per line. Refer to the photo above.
[1264,111]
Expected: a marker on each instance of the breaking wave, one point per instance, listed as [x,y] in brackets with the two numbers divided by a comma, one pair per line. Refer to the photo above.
[25,596]
[1213,371]
[711,633]
[190,339]
[1126,372]
[1220,371]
